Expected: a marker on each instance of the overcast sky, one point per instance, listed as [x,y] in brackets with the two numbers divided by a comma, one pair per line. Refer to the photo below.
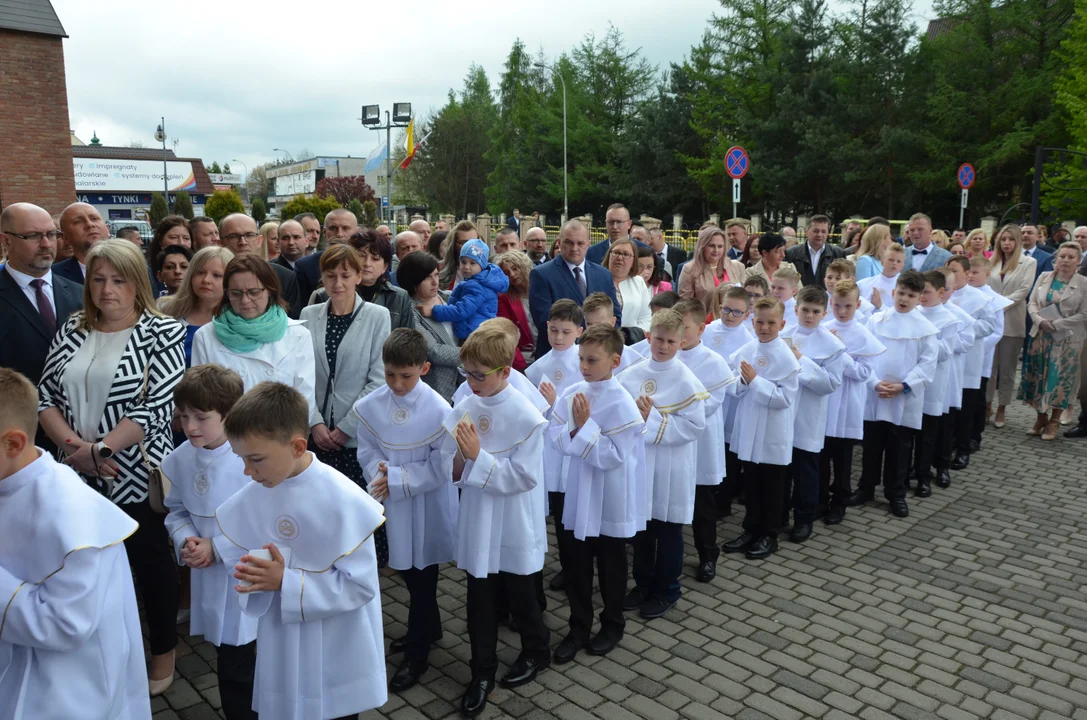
[237,79]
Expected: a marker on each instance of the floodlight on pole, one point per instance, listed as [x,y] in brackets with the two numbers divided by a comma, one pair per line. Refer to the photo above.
[371,117]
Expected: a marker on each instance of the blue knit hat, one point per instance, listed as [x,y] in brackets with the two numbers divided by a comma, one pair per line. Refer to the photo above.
[476,251]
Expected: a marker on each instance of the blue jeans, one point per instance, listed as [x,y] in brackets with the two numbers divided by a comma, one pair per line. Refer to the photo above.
[658,560]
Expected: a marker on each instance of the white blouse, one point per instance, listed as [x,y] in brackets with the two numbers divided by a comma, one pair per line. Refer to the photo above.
[634,296]
[89,376]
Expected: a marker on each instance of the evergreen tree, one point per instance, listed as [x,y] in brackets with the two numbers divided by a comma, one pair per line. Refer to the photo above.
[257,210]
[158,210]
[183,205]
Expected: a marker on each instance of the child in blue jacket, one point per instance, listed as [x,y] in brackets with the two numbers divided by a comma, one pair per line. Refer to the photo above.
[475,298]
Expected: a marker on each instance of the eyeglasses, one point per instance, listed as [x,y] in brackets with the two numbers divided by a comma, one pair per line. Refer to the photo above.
[732,311]
[235,237]
[478,376]
[37,236]
[755,296]
[622,256]
[252,293]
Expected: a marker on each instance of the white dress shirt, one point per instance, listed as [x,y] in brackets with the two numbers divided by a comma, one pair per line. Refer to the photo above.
[815,256]
[918,257]
[23,281]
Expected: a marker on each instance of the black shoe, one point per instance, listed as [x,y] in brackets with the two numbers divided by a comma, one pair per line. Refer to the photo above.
[475,697]
[740,544]
[406,676]
[943,478]
[801,532]
[398,645]
[860,496]
[707,570]
[762,548]
[523,671]
[567,650]
[899,508]
[558,581]
[604,643]
[656,607]
[961,461]
[834,515]
[634,599]
[1079,431]
[974,446]
[924,488]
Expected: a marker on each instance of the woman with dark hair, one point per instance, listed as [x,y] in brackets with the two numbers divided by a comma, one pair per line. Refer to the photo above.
[252,335]
[772,252]
[376,254]
[173,230]
[434,245]
[651,269]
[750,255]
[418,277]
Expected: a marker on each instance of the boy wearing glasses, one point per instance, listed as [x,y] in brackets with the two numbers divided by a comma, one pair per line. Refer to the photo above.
[495,438]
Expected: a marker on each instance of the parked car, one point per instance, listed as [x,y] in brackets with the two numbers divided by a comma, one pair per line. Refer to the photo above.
[146,231]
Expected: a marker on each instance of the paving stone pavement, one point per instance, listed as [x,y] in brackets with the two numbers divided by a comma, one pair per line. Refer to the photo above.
[973,607]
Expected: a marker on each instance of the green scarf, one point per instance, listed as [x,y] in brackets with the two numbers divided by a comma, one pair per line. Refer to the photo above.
[241,335]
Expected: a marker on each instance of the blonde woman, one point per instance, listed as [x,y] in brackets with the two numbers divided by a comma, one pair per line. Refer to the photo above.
[710,266]
[939,238]
[107,396]
[201,293]
[977,244]
[270,232]
[1012,276]
[874,241]
[630,289]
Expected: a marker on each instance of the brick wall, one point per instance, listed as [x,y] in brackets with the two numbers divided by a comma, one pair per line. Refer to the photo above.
[35,144]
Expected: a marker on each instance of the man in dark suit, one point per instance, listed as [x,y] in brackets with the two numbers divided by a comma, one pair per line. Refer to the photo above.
[82,226]
[736,234]
[672,256]
[536,245]
[340,225]
[292,244]
[1031,248]
[239,234]
[617,222]
[34,300]
[570,275]
[814,256]
[514,221]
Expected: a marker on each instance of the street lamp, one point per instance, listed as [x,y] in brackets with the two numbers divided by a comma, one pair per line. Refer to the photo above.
[289,156]
[160,135]
[246,183]
[565,189]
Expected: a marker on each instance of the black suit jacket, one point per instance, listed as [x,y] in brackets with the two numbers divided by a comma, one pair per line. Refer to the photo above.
[24,339]
[288,286]
[69,270]
[307,272]
[800,257]
[676,256]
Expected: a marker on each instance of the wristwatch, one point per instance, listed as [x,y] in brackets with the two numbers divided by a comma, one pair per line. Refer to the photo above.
[104,451]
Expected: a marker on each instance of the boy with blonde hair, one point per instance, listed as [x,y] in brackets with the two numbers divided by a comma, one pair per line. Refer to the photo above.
[878,289]
[784,287]
[495,438]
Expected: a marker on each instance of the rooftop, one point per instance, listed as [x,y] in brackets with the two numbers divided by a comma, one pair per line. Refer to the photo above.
[31,16]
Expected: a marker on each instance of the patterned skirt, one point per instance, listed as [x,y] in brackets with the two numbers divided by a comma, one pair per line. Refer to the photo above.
[1050,372]
[346,461]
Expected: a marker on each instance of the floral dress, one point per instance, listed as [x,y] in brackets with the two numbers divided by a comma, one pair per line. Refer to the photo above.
[1051,367]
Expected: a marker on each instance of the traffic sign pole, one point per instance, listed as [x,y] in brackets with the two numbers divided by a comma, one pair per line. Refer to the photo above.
[962,205]
[966,177]
[735,195]
[736,165]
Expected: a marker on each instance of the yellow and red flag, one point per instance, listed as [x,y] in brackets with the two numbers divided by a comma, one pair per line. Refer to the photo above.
[411,146]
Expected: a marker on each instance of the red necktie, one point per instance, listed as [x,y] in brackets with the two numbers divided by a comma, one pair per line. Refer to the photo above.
[45,308]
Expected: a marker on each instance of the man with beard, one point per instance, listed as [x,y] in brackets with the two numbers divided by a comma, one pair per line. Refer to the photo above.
[536,245]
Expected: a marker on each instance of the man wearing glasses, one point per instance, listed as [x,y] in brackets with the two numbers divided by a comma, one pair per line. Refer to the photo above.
[81,227]
[34,301]
[238,233]
[618,224]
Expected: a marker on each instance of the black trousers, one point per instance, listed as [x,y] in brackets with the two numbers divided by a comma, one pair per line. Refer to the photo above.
[732,485]
[764,493]
[704,525]
[611,566]
[973,408]
[933,442]
[658,560]
[805,491]
[424,620]
[886,448]
[524,606]
[835,467]
[236,665]
[979,410]
[557,501]
[153,563]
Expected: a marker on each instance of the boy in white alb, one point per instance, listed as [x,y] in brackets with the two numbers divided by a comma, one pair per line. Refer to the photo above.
[839,271]
[932,443]
[400,436]
[756,287]
[725,336]
[496,438]
[717,377]
[845,406]
[517,379]
[763,440]
[878,289]
[314,588]
[896,392]
[784,287]
[204,473]
[600,310]
[661,301]
[978,278]
[672,403]
[557,370]
[598,426]
[70,640]
[967,340]
[823,360]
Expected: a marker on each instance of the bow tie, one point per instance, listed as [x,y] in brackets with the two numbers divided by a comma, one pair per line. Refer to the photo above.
[921,252]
